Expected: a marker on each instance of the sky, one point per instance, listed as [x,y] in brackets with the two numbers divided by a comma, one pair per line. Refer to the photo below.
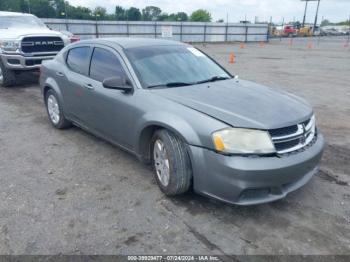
[290,10]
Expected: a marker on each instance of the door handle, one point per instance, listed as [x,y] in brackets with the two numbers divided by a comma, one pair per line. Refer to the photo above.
[89,86]
[59,73]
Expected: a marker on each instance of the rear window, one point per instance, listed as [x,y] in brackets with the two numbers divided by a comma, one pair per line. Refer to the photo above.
[78,59]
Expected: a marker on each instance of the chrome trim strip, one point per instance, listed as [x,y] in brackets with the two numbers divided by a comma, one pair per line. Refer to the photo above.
[299,132]
[299,146]
[305,134]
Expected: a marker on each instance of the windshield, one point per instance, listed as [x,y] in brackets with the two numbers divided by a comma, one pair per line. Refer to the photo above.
[173,66]
[20,21]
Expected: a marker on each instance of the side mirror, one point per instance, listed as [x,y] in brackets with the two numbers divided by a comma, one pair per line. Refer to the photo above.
[118,83]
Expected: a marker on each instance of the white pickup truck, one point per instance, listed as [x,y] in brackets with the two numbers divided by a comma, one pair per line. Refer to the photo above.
[25,41]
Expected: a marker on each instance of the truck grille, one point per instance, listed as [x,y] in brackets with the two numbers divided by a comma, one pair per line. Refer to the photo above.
[293,138]
[35,44]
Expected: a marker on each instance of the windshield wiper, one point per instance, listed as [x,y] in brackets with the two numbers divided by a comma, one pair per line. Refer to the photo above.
[171,84]
[213,79]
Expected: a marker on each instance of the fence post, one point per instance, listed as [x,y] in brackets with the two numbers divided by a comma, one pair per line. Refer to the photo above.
[127,28]
[246,33]
[226,32]
[205,32]
[268,33]
[155,29]
[96,26]
[181,31]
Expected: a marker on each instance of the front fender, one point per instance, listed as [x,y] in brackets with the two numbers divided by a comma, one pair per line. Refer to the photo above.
[172,122]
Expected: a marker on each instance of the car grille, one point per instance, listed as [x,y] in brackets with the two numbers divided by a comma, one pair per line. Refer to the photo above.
[294,138]
[35,44]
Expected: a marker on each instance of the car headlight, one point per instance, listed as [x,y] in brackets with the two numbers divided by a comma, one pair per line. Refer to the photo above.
[243,141]
[9,45]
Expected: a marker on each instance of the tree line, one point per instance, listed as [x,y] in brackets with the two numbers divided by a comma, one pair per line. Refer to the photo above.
[62,9]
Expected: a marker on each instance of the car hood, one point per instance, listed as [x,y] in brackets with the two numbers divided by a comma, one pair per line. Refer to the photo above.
[14,33]
[241,103]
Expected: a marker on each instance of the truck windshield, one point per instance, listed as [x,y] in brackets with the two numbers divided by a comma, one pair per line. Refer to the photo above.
[168,66]
[20,22]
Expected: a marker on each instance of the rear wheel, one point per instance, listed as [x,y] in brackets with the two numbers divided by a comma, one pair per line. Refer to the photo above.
[54,111]
[171,162]
[7,77]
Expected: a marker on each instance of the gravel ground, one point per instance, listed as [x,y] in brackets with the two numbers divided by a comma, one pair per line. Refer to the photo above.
[67,192]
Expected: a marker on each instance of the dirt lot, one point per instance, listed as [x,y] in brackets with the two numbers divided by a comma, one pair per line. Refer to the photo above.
[67,192]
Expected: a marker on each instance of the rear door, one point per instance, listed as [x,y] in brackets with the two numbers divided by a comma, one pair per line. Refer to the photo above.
[75,90]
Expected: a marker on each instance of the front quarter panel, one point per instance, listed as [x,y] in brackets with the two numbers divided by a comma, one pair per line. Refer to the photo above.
[193,127]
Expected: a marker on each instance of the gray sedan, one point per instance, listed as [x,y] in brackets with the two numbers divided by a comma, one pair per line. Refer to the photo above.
[174,107]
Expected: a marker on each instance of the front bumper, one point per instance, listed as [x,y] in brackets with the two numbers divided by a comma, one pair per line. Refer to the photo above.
[22,62]
[253,180]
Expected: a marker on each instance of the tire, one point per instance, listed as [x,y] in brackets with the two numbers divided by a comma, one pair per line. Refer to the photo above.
[54,111]
[177,163]
[7,76]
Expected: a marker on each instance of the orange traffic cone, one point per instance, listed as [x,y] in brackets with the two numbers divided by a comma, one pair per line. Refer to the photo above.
[309,46]
[262,44]
[232,58]
[242,46]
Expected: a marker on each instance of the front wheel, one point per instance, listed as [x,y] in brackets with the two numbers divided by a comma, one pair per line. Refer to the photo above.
[54,111]
[7,76]
[171,162]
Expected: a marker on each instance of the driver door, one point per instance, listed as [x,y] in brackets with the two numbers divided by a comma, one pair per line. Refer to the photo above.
[110,111]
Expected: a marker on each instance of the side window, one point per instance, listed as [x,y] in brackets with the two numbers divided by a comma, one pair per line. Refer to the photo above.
[78,58]
[104,64]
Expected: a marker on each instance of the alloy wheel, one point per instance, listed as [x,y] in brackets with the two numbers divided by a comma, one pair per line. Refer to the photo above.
[53,109]
[161,162]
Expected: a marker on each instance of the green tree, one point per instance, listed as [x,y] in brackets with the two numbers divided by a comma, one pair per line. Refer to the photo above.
[181,16]
[60,8]
[163,17]
[42,8]
[325,22]
[79,12]
[119,13]
[151,13]
[8,5]
[133,14]
[200,15]
[347,22]
[100,12]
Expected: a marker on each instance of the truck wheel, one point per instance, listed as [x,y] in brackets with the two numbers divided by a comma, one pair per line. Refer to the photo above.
[171,162]
[7,77]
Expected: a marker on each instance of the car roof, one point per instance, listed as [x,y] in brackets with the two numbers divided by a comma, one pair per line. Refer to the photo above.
[2,13]
[128,42]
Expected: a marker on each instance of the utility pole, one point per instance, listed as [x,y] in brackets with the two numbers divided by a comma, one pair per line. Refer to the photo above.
[315,23]
[282,29]
[305,12]
[306,3]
